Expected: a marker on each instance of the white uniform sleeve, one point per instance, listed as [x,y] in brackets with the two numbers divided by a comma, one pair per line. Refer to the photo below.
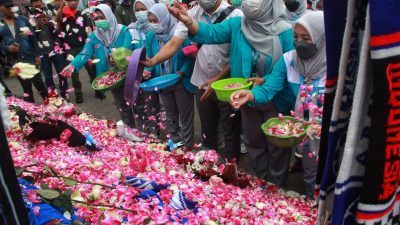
[181,30]
[235,13]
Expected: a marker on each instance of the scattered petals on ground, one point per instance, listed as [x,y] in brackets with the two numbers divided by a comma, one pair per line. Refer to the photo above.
[218,202]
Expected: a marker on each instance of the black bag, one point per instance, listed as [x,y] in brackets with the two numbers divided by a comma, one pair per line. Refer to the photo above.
[221,18]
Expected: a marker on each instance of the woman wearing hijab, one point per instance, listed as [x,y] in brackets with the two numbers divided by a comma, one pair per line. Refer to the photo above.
[108,35]
[177,99]
[258,40]
[141,27]
[295,9]
[295,70]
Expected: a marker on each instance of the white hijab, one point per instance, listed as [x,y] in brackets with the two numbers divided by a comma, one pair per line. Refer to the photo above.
[294,16]
[167,22]
[263,21]
[108,37]
[315,67]
[143,27]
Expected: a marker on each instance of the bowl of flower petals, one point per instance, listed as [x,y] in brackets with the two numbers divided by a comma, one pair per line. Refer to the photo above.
[284,131]
[109,80]
[224,88]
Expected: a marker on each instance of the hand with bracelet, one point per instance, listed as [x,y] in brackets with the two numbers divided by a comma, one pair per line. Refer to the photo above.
[181,13]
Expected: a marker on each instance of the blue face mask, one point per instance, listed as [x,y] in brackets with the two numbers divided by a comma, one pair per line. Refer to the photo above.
[141,16]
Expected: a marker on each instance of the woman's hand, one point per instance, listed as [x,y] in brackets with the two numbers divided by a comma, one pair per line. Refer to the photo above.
[256,80]
[179,12]
[147,63]
[241,97]
[67,71]
[209,90]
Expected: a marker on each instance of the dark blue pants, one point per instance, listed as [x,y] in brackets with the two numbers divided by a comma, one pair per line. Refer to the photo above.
[59,63]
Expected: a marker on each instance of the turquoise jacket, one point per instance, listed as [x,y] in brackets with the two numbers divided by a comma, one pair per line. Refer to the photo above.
[282,88]
[135,42]
[179,60]
[96,48]
[229,31]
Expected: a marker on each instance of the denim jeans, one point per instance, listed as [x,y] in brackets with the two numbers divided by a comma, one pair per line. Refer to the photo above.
[58,61]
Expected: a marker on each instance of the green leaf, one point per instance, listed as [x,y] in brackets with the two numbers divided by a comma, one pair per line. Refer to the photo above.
[53,172]
[30,179]
[45,200]
[48,193]
[66,202]
[57,203]
[58,190]
[44,186]
[67,193]
[19,170]
[69,182]
[34,161]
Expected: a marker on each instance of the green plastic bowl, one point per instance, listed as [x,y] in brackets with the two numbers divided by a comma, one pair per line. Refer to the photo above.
[117,84]
[287,141]
[223,94]
[120,56]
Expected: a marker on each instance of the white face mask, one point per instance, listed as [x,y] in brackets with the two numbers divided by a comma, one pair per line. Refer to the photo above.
[15,9]
[207,4]
[141,16]
[157,28]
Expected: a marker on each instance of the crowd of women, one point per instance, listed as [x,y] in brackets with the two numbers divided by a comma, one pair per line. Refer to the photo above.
[279,45]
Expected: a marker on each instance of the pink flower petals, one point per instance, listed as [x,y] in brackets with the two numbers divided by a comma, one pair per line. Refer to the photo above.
[219,203]
[66,46]
[109,79]
[79,21]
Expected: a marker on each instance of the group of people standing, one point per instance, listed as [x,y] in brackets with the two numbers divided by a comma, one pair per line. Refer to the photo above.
[279,45]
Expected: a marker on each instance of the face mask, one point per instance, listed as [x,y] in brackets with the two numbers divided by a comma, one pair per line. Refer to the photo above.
[292,5]
[141,16]
[206,4]
[305,50]
[236,3]
[102,24]
[156,27]
[15,9]
[251,8]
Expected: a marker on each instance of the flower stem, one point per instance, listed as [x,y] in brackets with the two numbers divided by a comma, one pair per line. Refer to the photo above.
[107,206]
[77,181]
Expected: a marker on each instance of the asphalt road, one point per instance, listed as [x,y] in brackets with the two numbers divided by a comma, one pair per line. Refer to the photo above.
[106,109]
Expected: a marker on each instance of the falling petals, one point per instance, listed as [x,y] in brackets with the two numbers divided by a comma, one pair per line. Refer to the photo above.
[66,46]
[79,21]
